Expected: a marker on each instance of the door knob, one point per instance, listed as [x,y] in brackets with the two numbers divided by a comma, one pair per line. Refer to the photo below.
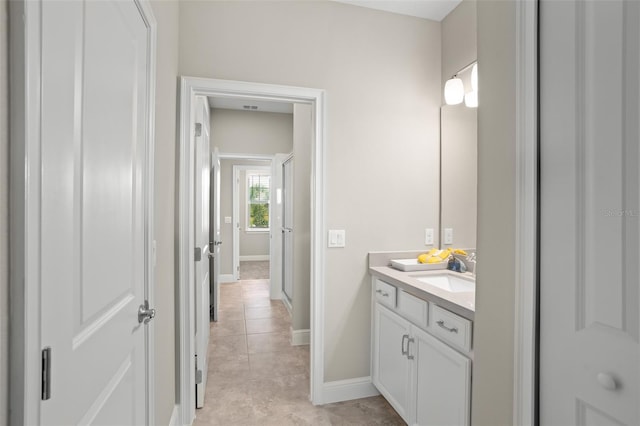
[607,381]
[210,255]
[145,314]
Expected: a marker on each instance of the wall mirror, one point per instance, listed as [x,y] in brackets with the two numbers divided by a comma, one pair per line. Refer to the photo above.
[458,176]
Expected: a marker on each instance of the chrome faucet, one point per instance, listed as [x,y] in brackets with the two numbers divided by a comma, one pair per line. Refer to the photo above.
[471,258]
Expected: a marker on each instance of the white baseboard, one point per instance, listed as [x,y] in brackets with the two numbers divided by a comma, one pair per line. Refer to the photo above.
[299,337]
[255,257]
[226,278]
[346,390]
[286,304]
[173,421]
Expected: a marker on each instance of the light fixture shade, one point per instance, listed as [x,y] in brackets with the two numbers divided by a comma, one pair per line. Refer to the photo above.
[453,91]
[474,78]
[471,99]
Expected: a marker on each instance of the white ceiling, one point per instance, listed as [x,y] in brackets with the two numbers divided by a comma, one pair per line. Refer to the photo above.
[240,104]
[435,10]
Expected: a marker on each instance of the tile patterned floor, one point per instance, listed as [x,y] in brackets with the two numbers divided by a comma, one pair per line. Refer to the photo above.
[257,378]
[254,269]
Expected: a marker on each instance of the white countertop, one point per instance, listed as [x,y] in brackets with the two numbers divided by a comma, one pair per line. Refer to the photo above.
[463,303]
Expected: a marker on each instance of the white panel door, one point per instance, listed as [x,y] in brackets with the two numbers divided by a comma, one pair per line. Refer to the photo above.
[202,178]
[590,236]
[96,78]
[287,229]
[214,240]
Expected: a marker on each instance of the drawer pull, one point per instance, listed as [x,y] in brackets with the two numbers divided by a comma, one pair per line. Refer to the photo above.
[383,293]
[451,330]
[404,336]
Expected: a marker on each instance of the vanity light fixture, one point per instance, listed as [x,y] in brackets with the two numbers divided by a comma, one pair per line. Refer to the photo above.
[453,91]
[454,88]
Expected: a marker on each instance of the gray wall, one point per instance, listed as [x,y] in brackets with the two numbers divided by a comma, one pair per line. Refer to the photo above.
[226,209]
[382,74]
[459,39]
[494,317]
[4,211]
[166,14]
[245,132]
[248,132]
[302,141]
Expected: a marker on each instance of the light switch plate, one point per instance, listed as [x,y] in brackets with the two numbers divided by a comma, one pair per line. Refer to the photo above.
[448,235]
[336,238]
[227,219]
[428,237]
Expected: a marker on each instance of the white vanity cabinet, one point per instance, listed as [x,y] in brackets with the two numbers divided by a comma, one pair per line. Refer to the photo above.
[425,380]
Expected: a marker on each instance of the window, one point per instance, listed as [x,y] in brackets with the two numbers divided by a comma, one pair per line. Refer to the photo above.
[258,194]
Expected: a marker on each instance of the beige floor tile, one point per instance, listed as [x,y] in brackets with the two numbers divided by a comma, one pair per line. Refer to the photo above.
[227,368]
[257,378]
[267,325]
[270,311]
[268,342]
[273,364]
[226,328]
[231,315]
[224,346]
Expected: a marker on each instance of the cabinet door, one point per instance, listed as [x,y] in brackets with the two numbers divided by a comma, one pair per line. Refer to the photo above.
[442,382]
[390,364]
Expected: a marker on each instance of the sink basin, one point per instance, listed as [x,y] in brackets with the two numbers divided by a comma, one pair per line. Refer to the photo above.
[448,283]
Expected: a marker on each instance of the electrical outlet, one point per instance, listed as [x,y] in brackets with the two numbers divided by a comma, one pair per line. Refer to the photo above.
[448,235]
[428,237]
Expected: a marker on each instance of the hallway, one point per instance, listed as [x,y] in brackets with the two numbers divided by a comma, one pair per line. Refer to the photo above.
[257,377]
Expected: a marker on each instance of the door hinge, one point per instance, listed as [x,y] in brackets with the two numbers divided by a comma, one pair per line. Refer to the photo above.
[198,129]
[46,373]
[198,372]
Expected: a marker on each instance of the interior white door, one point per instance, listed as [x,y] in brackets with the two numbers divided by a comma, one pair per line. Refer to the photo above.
[287,229]
[95,212]
[215,238]
[590,236]
[202,176]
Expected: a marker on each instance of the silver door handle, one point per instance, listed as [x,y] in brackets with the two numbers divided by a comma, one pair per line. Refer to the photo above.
[451,330]
[210,255]
[146,314]
[403,352]
[217,243]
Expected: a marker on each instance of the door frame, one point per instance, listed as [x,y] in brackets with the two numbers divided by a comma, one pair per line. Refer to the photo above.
[194,86]
[236,214]
[25,210]
[525,366]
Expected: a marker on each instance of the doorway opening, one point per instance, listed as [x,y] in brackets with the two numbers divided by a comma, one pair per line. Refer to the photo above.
[313,101]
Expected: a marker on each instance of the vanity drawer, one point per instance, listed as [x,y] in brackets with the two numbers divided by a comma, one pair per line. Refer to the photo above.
[413,309]
[451,328]
[385,294]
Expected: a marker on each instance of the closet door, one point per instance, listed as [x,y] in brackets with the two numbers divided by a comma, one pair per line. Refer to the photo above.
[590,235]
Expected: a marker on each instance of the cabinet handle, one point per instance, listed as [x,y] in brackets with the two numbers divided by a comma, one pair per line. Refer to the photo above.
[451,330]
[404,336]
[383,293]
[409,341]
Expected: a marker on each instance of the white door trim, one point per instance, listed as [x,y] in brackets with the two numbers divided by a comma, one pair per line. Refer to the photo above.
[189,88]
[236,220]
[525,349]
[25,346]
